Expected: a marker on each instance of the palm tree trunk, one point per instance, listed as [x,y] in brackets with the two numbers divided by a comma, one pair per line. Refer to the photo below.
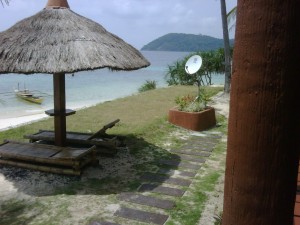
[226,47]
[264,125]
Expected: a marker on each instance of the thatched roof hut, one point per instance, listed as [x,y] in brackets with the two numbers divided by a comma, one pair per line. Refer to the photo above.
[58,41]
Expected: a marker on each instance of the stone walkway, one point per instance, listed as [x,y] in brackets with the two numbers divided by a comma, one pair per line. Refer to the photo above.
[160,190]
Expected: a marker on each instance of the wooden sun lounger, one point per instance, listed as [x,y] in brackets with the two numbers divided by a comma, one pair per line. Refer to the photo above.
[99,139]
[47,158]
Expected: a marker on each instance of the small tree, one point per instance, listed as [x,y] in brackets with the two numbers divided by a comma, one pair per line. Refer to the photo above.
[148,85]
[176,74]
[212,62]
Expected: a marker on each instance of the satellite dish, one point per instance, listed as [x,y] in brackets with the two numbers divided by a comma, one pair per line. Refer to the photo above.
[193,64]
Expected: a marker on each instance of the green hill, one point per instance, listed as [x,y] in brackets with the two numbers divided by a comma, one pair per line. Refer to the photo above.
[184,43]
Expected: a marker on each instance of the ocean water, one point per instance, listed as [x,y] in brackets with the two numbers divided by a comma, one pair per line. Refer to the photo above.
[85,88]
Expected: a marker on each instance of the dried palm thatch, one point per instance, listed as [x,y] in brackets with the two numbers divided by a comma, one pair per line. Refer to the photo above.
[57,40]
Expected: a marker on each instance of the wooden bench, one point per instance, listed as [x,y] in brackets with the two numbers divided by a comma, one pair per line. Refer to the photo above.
[47,158]
[105,143]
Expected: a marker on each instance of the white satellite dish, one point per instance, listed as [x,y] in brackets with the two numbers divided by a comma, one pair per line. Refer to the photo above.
[193,64]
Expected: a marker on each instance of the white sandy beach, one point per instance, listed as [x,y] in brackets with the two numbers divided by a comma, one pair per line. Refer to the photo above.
[14,122]
[8,123]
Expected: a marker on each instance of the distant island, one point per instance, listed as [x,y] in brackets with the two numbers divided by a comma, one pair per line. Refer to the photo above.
[184,43]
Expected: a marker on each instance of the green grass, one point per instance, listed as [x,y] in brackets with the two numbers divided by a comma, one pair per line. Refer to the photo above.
[13,211]
[137,113]
[189,208]
[144,124]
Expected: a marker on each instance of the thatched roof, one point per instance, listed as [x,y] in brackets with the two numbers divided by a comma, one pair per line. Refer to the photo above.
[57,40]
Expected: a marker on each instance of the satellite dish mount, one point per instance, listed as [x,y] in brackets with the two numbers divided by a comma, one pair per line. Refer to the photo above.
[192,66]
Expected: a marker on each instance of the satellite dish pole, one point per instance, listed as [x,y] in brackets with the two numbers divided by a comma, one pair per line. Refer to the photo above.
[192,66]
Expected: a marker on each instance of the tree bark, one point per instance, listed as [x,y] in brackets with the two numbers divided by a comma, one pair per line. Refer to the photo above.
[226,47]
[264,125]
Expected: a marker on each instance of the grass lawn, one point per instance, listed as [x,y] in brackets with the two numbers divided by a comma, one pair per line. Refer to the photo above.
[34,197]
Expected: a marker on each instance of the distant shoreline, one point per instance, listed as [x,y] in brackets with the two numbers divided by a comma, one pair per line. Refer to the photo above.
[9,123]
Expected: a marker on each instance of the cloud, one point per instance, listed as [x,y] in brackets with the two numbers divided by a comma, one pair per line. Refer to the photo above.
[136,21]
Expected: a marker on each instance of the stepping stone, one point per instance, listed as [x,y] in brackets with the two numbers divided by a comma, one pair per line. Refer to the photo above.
[146,200]
[174,163]
[189,152]
[172,172]
[199,145]
[187,174]
[103,223]
[142,216]
[196,145]
[191,158]
[198,148]
[153,177]
[162,190]
[165,171]
[212,139]
[209,140]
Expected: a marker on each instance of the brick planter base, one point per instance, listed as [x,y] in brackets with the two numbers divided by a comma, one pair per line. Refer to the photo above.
[196,121]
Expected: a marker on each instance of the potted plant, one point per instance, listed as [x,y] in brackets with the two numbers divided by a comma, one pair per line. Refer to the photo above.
[192,112]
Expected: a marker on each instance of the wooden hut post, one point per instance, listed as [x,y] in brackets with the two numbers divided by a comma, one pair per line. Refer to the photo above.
[264,120]
[57,4]
[59,108]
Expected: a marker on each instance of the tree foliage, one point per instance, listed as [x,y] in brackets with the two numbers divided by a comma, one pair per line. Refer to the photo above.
[212,62]
[231,18]
[148,85]
[4,1]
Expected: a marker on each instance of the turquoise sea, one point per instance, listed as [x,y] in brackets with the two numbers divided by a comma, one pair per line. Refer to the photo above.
[85,88]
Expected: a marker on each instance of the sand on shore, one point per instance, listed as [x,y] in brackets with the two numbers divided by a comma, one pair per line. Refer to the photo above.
[9,123]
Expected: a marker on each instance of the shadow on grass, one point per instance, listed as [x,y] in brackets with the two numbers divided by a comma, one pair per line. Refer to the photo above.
[122,172]
[12,212]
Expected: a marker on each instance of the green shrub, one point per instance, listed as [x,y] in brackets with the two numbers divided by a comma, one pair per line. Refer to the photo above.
[183,101]
[212,62]
[149,85]
[189,103]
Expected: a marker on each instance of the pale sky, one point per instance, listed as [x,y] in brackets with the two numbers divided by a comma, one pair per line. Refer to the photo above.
[136,21]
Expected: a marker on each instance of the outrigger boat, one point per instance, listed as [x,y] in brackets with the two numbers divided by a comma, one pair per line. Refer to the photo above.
[28,96]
